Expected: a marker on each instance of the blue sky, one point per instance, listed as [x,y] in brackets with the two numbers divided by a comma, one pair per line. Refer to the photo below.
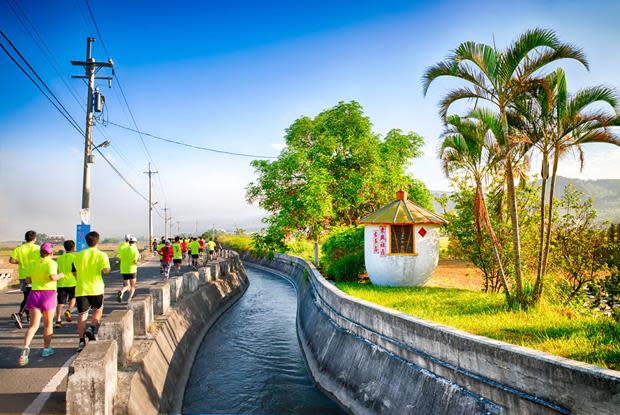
[234,75]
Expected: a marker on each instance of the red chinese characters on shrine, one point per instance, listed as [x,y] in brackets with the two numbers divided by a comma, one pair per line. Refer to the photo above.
[379,238]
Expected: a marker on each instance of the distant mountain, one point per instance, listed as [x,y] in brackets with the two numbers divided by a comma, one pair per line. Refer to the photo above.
[605,194]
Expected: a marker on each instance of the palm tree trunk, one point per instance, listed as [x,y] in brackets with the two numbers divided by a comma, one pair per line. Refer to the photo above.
[554,171]
[544,172]
[477,210]
[484,214]
[514,217]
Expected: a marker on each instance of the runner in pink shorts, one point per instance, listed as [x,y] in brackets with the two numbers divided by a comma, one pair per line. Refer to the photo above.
[41,302]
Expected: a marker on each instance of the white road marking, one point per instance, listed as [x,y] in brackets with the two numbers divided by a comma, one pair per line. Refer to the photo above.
[14,291]
[36,405]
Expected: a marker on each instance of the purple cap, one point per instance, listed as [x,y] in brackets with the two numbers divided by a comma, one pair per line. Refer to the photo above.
[47,248]
[167,242]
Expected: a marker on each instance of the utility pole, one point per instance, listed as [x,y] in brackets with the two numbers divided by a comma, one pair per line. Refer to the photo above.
[196,228]
[150,173]
[170,226]
[90,68]
[178,227]
[166,209]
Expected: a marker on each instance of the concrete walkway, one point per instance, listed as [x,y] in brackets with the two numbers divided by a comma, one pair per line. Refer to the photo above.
[40,387]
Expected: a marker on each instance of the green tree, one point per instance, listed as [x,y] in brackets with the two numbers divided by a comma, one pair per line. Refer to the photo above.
[582,249]
[464,150]
[498,78]
[333,171]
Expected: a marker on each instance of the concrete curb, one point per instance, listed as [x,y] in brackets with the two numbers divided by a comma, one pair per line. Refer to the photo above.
[397,363]
[154,372]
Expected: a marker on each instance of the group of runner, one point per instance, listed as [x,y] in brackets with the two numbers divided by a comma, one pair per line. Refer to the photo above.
[47,285]
[174,253]
[76,280]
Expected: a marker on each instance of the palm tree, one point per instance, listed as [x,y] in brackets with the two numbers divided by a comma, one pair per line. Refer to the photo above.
[464,148]
[498,78]
[572,123]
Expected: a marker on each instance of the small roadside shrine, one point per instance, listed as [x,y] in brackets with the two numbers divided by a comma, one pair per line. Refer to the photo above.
[401,243]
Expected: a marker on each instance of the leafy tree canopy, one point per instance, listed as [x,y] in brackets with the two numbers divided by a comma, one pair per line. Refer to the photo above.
[334,170]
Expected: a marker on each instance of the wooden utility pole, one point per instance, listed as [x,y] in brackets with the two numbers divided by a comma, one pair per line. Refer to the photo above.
[90,68]
[150,173]
[166,209]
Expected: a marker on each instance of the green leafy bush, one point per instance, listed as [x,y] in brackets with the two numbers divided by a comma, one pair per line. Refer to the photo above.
[343,253]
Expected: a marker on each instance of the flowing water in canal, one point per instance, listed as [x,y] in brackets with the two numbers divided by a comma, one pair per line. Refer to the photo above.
[250,360]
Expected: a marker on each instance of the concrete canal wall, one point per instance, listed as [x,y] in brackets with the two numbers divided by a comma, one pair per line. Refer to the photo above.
[374,360]
[143,356]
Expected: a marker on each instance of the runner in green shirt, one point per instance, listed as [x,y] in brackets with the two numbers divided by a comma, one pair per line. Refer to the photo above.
[24,256]
[66,286]
[211,247]
[90,264]
[123,244]
[129,256]
[194,249]
[177,254]
[41,302]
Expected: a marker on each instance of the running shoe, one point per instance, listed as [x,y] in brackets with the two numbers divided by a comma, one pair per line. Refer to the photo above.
[119,296]
[17,319]
[58,324]
[90,333]
[81,346]
[68,316]
[23,357]
[48,351]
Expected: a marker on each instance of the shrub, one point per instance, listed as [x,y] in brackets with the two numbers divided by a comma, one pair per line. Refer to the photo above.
[343,253]
[346,269]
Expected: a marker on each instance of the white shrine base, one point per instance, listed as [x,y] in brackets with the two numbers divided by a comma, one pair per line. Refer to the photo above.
[402,270]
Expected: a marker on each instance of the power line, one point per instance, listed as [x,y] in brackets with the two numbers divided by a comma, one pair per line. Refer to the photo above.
[168,140]
[47,52]
[66,115]
[120,87]
[58,104]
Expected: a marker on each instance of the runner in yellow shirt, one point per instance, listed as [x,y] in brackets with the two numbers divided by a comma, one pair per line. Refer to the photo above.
[211,247]
[66,286]
[90,264]
[129,256]
[41,302]
[177,254]
[24,256]
[123,244]
[194,249]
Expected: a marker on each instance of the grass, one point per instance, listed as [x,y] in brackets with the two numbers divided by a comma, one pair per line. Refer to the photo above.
[553,329]
[237,242]
[299,247]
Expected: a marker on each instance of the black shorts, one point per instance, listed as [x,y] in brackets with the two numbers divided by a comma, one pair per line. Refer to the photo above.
[211,251]
[195,256]
[65,294]
[129,276]
[201,249]
[90,301]
[177,261]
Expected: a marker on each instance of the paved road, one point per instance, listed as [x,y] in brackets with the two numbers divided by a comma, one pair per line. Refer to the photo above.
[20,388]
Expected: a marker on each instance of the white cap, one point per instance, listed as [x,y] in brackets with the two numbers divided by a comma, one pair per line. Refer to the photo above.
[133,239]
[128,237]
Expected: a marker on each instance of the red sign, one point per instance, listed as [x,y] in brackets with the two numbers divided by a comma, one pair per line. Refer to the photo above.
[379,240]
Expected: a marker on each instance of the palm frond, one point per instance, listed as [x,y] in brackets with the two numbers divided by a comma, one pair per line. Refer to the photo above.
[592,95]
[482,56]
[459,94]
[518,54]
